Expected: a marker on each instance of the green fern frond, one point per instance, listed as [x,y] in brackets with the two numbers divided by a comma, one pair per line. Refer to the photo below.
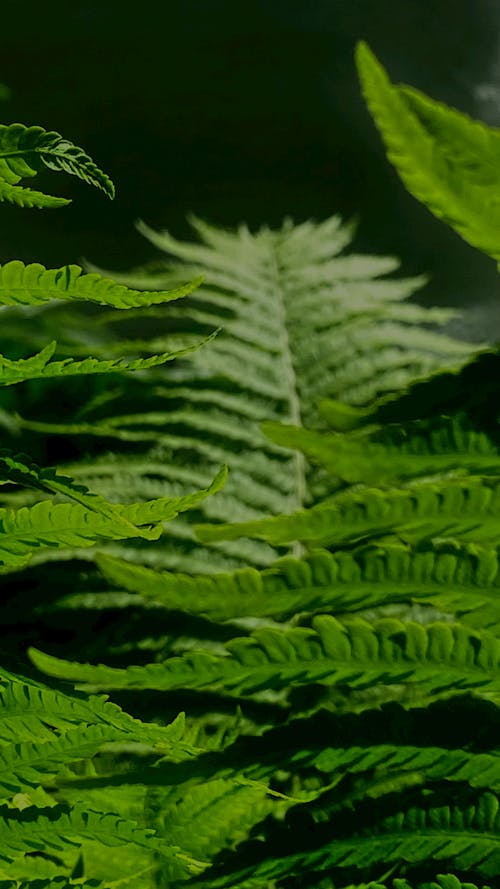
[285,301]
[22,470]
[67,525]
[438,659]
[445,159]
[467,509]
[286,268]
[33,284]
[480,770]
[32,710]
[430,832]
[27,764]
[49,524]
[28,197]
[57,827]
[214,815]
[24,151]
[386,455]
[41,367]
[282,269]
[463,581]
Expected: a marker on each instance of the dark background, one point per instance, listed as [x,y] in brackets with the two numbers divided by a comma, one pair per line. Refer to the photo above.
[243,110]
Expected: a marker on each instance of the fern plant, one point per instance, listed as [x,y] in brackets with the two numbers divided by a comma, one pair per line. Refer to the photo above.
[182,421]
[370,683]
[287,302]
[163,432]
[342,707]
[42,730]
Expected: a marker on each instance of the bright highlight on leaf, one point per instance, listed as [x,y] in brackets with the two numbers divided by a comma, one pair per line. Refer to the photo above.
[446,160]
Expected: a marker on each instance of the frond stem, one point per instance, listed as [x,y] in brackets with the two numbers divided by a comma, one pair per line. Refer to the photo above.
[279,292]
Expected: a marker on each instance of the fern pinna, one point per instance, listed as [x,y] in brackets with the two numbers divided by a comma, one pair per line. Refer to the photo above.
[342,708]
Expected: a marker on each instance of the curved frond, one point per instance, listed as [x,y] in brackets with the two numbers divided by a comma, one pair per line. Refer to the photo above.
[386,455]
[56,827]
[464,509]
[31,710]
[462,581]
[286,301]
[24,151]
[446,160]
[463,834]
[28,197]
[68,525]
[438,659]
[41,367]
[33,284]
[24,765]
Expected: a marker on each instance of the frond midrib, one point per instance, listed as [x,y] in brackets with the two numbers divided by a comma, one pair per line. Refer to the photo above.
[278,287]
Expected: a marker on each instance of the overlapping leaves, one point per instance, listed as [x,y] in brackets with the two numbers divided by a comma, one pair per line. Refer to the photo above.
[303,785]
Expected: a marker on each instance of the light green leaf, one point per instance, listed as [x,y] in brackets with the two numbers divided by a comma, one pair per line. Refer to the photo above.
[67,525]
[462,581]
[24,151]
[391,454]
[446,160]
[288,301]
[437,659]
[33,284]
[28,197]
[465,509]
[39,366]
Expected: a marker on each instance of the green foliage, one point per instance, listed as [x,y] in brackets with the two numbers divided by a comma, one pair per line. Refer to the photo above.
[287,302]
[446,160]
[24,151]
[437,658]
[33,285]
[456,579]
[459,508]
[342,703]
[81,524]
[41,731]
[44,732]
[360,663]
[170,431]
